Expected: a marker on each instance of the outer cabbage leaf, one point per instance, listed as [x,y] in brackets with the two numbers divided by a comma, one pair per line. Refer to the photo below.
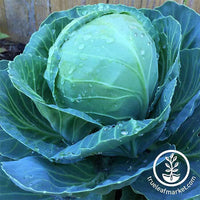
[100,175]
[187,141]
[187,91]
[189,80]
[168,63]
[11,147]
[151,14]
[41,41]
[71,124]
[20,119]
[189,21]
[9,191]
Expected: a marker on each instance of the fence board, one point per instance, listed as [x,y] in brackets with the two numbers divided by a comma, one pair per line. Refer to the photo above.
[3,20]
[42,10]
[20,18]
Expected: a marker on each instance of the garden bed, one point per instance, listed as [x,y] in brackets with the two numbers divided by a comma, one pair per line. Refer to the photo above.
[11,49]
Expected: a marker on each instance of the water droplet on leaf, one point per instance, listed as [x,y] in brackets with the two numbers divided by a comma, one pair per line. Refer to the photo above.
[81,46]
[53,31]
[130,168]
[70,70]
[131,26]
[62,81]
[142,52]
[124,132]
[90,85]
[142,35]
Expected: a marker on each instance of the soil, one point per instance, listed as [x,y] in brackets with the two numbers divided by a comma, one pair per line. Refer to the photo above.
[12,49]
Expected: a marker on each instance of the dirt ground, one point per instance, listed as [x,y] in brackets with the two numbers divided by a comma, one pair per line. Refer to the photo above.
[11,49]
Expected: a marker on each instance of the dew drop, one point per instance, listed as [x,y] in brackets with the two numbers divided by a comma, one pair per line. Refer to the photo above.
[81,46]
[124,132]
[142,52]
[115,105]
[131,26]
[70,71]
[79,98]
[120,124]
[98,120]
[72,100]
[83,93]
[135,34]
[149,43]
[105,128]
[142,35]
[100,7]
[53,31]
[164,46]
[80,64]
[137,129]
[85,12]
[62,81]
[130,168]
[90,85]
[36,149]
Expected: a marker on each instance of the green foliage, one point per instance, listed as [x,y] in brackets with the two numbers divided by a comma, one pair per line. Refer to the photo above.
[3,36]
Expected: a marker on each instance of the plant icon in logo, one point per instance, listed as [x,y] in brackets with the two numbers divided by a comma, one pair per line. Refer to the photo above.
[172,177]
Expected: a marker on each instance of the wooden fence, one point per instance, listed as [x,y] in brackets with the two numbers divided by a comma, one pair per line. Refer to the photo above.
[20,18]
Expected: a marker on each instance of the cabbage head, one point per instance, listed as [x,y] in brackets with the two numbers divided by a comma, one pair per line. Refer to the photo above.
[99,91]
